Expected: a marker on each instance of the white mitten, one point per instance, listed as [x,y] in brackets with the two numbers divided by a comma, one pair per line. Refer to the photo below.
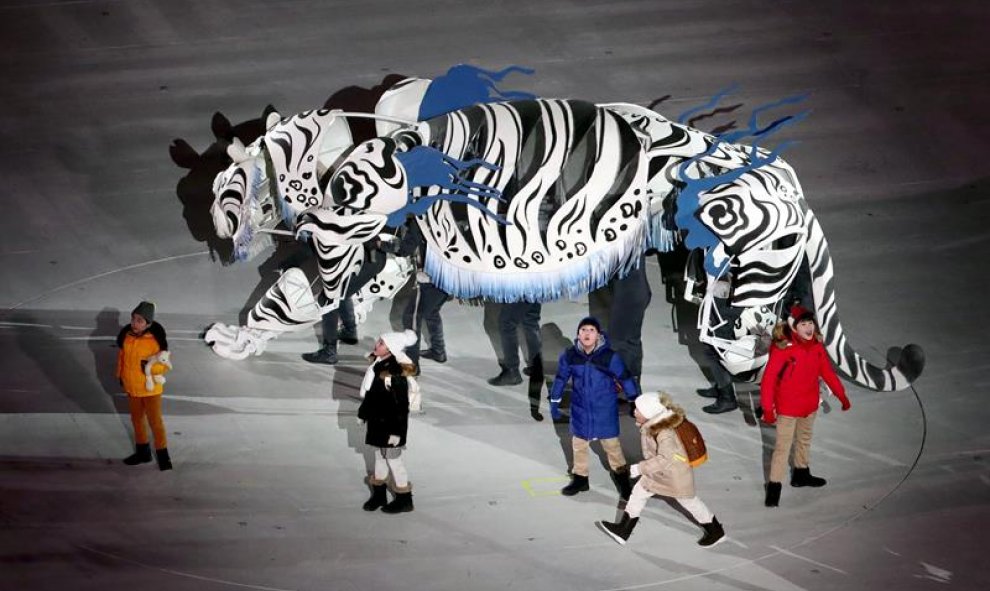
[634,471]
[394,439]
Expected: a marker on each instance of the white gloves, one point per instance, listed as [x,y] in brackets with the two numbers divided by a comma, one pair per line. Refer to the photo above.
[394,439]
[634,471]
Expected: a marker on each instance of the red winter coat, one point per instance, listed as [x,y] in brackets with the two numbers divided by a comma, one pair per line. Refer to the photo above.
[790,382]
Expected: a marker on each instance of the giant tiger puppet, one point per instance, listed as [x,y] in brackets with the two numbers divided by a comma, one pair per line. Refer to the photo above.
[524,198]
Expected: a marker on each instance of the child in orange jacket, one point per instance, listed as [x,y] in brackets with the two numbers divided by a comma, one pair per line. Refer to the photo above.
[141,361]
[789,396]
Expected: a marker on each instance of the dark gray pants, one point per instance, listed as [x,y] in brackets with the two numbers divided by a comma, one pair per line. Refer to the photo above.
[510,318]
[425,306]
[331,320]
[621,307]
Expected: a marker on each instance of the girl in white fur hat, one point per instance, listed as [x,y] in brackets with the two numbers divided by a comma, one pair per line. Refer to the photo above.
[385,410]
[665,471]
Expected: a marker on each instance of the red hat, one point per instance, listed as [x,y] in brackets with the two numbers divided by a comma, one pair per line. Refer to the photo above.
[799,313]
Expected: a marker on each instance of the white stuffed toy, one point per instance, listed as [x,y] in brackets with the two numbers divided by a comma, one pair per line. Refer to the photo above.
[152,375]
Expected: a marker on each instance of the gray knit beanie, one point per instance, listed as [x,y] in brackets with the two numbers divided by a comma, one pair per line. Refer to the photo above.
[145,310]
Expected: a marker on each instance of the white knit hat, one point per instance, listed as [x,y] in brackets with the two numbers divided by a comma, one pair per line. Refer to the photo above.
[648,404]
[397,343]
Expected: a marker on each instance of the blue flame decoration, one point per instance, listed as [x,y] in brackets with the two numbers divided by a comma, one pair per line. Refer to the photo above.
[688,200]
[464,85]
[429,167]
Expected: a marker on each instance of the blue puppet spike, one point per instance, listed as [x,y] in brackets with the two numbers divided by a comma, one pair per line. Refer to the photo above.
[688,201]
[683,117]
[464,85]
[429,167]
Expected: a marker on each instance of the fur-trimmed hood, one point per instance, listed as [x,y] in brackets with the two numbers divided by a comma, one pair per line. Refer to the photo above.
[393,367]
[660,422]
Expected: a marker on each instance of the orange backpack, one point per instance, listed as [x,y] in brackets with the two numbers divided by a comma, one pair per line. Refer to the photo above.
[693,442]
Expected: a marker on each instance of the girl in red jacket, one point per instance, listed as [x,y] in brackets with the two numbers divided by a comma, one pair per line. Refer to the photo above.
[789,397]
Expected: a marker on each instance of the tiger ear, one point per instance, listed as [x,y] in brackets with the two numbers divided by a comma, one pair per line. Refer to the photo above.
[272,119]
[236,151]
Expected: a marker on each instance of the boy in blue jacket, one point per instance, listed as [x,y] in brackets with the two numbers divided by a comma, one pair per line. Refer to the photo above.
[598,375]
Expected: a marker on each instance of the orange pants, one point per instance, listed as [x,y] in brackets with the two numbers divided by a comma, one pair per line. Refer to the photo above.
[148,410]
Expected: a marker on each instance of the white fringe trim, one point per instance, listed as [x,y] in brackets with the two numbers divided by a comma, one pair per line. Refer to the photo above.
[588,273]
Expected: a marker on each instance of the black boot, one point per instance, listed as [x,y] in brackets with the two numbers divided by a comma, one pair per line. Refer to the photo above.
[619,531]
[578,484]
[378,498]
[711,392]
[622,482]
[348,337]
[141,455]
[773,494]
[714,533]
[402,503]
[508,377]
[164,462]
[725,402]
[440,357]
[803,477]
[327,355]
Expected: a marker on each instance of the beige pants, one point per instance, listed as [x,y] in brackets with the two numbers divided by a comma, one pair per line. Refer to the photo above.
[145,410]
[791,431]
[612,447]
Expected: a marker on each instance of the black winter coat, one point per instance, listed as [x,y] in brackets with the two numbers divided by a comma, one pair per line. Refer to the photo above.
[385,410]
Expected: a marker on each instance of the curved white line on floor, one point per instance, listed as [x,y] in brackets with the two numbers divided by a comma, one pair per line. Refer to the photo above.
[180,573]
[104,274]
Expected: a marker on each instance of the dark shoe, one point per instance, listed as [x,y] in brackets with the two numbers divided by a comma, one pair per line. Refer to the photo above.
[622,482]
[348,338]
[619,531]
[707,392]
[721,406]
[773,494]
[578,484]
[326,355]
[725,401]
[378,498]
[402,503]
[141,455]
[438,357]
[713,533]
[508,377]
[803,477]
[164,462]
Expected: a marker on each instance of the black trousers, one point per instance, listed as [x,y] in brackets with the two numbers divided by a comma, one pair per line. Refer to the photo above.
[425,307]
[510,318]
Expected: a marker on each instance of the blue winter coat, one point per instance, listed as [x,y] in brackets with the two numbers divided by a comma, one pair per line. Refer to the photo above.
[596,381]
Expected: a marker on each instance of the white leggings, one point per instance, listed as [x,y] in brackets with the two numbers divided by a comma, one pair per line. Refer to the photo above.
[390,459]
[694,505]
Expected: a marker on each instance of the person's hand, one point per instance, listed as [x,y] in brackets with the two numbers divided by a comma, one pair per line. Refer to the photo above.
[394,440]
[634,471]
[846,404]
[769,417]
[555,410]
[388,383]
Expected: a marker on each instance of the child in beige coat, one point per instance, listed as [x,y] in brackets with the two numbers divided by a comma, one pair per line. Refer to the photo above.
[664,471]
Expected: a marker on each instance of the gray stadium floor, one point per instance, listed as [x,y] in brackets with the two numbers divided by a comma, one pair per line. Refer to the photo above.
[269,459]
